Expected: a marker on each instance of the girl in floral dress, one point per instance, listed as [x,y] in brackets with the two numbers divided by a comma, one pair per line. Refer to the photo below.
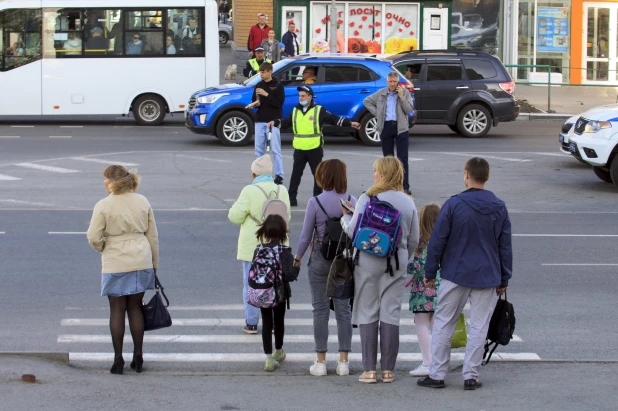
[423,300]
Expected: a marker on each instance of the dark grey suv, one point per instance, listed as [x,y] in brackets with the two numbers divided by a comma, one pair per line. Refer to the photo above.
[469,91]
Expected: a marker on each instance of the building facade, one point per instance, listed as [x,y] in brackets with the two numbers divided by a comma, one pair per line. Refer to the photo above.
[577,38]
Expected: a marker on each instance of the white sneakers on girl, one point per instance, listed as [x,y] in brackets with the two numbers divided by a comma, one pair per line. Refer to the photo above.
[318,369]
[343,368]
[420,371]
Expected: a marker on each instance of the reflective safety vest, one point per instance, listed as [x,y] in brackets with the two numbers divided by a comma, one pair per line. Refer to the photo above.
[306,128]
[254,64]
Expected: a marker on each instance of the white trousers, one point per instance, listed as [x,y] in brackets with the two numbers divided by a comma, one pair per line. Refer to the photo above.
[452,299]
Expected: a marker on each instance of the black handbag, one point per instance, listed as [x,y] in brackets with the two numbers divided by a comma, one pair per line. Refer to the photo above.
[155,312]
[340,281]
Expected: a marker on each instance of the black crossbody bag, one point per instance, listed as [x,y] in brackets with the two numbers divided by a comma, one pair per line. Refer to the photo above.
[156,315]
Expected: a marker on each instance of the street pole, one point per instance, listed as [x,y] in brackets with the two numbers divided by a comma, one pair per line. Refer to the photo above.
[333,27]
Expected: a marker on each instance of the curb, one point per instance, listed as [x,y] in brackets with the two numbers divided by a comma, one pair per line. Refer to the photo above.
[58,357]
[542,116]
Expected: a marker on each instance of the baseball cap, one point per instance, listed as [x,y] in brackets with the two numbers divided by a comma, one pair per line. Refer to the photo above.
[306,89]
[97,30]
[259,48]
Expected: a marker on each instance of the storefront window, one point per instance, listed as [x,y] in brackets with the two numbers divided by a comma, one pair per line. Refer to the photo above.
[544,38]
[374,28]
[475,25]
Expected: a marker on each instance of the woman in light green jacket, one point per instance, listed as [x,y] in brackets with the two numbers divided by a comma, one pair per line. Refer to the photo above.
[246,212]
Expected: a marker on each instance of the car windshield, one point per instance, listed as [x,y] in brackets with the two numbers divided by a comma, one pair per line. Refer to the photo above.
[254,80]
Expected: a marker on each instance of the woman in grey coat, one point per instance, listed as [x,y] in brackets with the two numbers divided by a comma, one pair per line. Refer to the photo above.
[272,51]
[378,295]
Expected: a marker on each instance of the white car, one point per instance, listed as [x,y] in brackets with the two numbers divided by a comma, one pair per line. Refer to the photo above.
[595,141]
[566,132]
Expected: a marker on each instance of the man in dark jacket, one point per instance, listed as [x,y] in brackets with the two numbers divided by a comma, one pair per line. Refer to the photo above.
[257,34]
[290,41]
[471,246]
[268,97]
[306,121]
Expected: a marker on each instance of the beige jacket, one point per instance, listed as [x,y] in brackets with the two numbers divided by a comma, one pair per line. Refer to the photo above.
[123,230]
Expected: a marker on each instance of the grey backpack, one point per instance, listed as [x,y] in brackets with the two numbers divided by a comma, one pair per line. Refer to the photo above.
[272,206]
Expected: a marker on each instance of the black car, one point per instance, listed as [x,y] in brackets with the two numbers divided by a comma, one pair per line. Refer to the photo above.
[469,91]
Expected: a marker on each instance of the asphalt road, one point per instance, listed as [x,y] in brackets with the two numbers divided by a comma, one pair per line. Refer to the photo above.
[563,287]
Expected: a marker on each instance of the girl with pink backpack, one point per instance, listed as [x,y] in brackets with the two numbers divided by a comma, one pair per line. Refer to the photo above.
[270,275]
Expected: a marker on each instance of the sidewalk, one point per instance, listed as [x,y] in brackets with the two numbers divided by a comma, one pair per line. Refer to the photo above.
[566,99]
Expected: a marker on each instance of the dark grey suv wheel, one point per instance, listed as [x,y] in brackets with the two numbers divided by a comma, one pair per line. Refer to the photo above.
[474,120]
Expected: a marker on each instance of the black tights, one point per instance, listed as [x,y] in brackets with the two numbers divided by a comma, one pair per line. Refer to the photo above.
[132,305]
[267,327]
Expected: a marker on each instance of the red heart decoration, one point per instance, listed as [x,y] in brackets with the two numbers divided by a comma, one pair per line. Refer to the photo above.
[411,33]
[377,34]
[352,24]
[370,26]
[298,30]
[340,21]
[364,18]
[356,33]
[360,26]
[378,24]
[400,30]
[390,23]
[319,30]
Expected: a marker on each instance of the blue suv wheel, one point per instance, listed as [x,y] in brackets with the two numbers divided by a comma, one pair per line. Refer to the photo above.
[235,128]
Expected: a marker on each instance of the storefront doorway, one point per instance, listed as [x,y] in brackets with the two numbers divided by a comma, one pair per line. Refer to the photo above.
[600,43]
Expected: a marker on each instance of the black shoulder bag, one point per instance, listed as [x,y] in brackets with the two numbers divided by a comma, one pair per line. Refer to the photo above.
[155,312]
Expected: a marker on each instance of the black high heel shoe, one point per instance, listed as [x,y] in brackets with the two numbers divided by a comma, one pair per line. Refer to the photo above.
[137,363]
[118,366]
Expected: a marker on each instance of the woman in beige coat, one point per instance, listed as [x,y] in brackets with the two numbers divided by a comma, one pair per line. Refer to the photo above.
[123,230]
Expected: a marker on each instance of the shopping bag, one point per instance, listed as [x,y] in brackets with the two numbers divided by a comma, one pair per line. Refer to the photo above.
[460,337]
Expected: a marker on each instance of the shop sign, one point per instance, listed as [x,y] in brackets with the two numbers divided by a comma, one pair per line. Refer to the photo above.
[553,29]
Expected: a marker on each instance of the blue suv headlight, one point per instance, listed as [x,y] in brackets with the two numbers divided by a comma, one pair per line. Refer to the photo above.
[211,98]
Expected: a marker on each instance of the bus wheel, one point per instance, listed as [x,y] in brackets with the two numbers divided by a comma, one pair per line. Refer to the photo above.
[149,110]
[235,129]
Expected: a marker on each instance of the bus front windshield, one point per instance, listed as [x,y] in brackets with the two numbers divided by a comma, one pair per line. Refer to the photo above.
[255,79]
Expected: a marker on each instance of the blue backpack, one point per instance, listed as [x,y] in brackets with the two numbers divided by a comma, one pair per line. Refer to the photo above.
[378,231]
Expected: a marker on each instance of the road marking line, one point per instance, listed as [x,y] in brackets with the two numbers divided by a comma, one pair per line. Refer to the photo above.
[10,136]
[61,137]
[205,322]
[518,160]
[103,161]
[22,126]
[66,233]
[12,201]
[4,177]
[580,265]
[553,154]
[204,158]
[218,339]
[565,235]
[2,232]
[71,126]
[225,307]
[290,357]
[47,168]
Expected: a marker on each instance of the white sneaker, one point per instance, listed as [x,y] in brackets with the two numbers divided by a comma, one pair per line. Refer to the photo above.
[318,369]
[420,371]
[343,368]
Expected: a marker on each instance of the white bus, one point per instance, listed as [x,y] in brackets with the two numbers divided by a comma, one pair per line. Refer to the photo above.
[106,57]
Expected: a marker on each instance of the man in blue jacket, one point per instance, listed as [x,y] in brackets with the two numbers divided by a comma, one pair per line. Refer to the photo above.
[471,246]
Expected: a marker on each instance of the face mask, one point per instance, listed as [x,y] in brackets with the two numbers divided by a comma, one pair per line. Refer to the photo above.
[303,103]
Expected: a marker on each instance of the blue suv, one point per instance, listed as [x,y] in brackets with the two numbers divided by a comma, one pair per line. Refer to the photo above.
[342,84]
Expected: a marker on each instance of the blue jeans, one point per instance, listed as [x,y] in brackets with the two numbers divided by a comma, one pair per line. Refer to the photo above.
[252,314]
[261,137]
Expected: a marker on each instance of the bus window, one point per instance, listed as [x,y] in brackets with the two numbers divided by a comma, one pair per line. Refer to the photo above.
[144,32]
[184,25]
[21,39]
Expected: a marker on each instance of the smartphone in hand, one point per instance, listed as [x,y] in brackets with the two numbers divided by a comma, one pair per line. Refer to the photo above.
[346,206]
